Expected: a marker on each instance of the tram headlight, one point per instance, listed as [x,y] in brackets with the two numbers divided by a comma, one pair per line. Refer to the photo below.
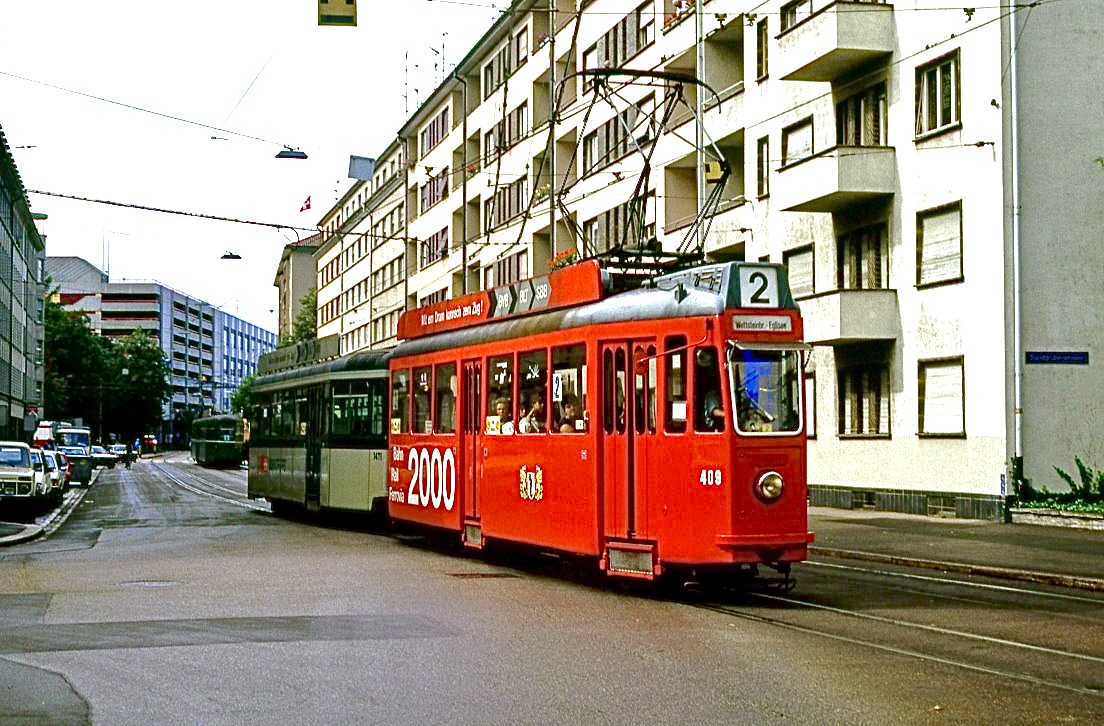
[769,487]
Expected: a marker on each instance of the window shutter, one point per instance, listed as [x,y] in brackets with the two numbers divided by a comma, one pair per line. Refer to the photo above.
[942,399]
[940,246]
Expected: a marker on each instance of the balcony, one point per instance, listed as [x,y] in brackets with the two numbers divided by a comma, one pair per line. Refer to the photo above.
[837,177]
[835,40]
[851,316]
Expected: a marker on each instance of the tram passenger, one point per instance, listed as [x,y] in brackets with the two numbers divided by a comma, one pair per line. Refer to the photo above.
[568,421]
[533,422]
[505,416]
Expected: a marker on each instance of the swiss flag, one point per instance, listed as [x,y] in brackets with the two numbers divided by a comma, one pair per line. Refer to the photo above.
[306,205]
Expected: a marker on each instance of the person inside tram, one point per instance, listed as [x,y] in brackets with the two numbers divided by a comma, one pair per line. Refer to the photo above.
[505,416]
[569,419]
[707,384]
[446,407]
[533,422]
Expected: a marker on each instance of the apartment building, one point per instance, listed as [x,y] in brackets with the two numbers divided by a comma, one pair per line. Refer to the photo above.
[296,276]
[22,295]
[926,173]
[209,351]
[362,260]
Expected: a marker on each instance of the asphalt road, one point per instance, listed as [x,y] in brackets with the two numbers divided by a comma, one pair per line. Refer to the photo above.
[166,597]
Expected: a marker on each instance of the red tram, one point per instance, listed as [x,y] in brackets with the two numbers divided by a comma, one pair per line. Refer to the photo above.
[563,415]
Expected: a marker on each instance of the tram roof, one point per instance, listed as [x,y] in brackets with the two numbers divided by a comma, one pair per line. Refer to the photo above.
[361,360]
[704,291]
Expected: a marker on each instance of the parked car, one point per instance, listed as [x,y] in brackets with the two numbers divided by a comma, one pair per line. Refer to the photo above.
[80,463]
[18,478]
[55,477]
[42,478]
[66,467]
[102,457]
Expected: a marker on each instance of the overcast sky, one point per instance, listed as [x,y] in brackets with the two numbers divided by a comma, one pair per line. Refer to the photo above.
[261,70]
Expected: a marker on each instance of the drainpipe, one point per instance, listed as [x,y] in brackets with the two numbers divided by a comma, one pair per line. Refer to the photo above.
[406,217]
[1017,277]
[464,183]
[551,128]
[699,132]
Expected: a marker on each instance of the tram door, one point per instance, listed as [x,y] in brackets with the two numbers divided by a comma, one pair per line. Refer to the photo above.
[312,409]
[627,424]
[471,401]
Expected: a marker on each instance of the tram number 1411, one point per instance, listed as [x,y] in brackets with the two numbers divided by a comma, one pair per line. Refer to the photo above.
[432,478]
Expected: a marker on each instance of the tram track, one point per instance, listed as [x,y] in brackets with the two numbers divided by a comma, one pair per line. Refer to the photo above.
[894,618]
[179,476]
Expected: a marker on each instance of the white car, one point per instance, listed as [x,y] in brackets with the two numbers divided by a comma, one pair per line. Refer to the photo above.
[42,478]
[55,476]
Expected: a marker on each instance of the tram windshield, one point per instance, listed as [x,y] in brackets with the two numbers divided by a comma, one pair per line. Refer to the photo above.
[766,385]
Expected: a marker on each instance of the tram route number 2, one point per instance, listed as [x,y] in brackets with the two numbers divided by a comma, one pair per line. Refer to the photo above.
[710,478]
[432,478]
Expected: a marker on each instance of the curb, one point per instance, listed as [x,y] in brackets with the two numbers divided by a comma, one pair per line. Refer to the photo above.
[28,532]
[1047,578]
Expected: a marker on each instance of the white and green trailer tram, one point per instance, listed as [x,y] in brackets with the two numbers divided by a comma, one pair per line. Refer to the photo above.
[318,436]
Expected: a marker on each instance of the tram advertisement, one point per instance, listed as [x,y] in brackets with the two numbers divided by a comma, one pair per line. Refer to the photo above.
[424,478]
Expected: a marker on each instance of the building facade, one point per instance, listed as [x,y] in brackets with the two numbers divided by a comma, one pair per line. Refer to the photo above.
[925,172]
[295,278]
[22,300]
[209,352]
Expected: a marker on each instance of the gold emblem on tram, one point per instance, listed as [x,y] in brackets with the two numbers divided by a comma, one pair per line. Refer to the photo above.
[532,484]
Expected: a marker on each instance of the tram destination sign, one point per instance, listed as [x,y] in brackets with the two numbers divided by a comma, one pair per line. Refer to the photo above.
[569,286]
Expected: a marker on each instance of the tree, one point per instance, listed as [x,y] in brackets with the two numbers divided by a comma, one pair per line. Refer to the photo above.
[240,400]
[84,376]
[139,386]
[305,327]
[73,360]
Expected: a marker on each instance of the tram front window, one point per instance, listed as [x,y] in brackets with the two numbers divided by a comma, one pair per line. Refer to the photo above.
[766,386]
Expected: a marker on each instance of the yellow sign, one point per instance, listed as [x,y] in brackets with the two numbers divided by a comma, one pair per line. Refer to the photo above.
[337,12]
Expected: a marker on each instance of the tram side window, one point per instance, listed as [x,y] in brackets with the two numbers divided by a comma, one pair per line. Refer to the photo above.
[675,389]
[421,424]
[709,412]
[644,390]
[356,409]
[444,398]
[569,387]
[500,389]
[400,394]
[533,384]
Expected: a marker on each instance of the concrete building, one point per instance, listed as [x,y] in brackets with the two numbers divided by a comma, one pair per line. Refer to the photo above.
[22,295]
[209,351]
[927,173]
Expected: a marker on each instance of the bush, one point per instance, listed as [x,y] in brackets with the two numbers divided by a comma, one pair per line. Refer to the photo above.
[1086,495]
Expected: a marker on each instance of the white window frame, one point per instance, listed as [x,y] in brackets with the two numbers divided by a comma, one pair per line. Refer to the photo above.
[935,81]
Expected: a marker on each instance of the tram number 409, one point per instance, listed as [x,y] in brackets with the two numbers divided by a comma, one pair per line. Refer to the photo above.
[710,478]
[432,478]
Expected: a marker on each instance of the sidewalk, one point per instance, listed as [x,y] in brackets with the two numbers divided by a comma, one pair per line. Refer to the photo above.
[1065,556]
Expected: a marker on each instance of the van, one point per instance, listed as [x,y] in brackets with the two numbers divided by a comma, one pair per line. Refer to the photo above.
[20,481]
